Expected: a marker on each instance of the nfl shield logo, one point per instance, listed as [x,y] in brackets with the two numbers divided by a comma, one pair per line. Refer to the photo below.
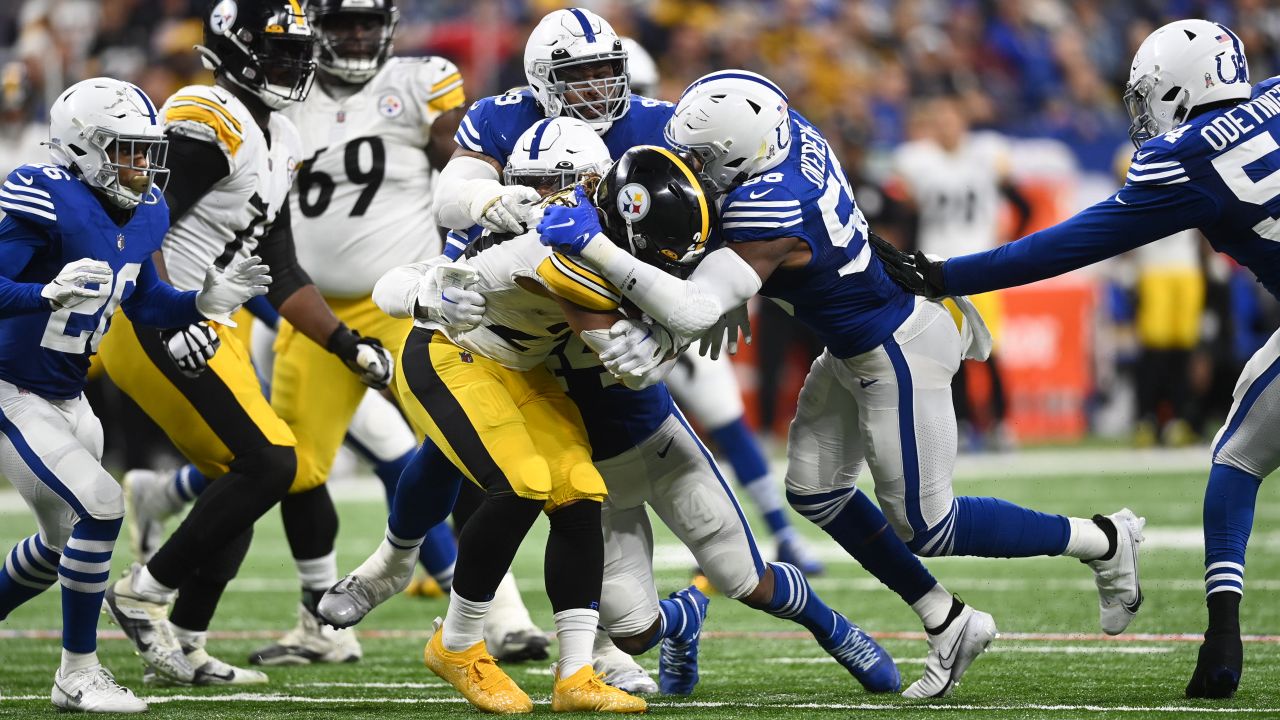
[466,357]
[342,116]
[120,241]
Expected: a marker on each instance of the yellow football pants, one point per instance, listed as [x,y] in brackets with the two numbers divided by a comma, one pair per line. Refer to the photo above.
[503,428]
[1170,302]
[212,419]
[316,394]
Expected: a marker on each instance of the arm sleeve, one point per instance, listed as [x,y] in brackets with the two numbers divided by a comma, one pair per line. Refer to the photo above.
[158,304]
[461,181]
[279,254]
[200,165]
[1132,217]
[18,243]
[396,292]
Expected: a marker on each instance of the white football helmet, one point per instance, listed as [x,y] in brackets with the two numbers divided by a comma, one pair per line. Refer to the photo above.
[101,126]
[561,49]
[556,153]
[642,68]
[1179,67]
[736,122]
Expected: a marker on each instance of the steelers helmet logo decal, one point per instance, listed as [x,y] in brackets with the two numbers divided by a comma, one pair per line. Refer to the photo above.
[223,16]
[390,106]
[633,202]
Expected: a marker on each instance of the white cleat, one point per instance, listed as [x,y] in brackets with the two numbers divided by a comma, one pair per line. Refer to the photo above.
[383,575]
[622,671]
[146,623]
[951,652]
[147,506]
[509,633]
[209,671]
[93,690]
[310,641]
[1119,592]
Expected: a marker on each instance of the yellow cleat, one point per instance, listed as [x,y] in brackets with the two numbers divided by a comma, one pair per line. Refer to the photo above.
[424,586]
[586,691]
[475,674]
[703,583]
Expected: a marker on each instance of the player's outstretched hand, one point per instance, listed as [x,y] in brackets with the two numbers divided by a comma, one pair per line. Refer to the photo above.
[916,273]
[506,212]
[570,229]
[226,290]
[68,289]
[724,334]
[192,347]
[365,356]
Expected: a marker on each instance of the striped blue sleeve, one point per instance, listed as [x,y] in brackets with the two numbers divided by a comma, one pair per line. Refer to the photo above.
[1135,216]
[22,196]
[456,242]
[477,129]
[762,212]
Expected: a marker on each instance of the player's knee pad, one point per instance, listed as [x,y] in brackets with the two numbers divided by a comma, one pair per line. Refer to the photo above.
[529,477]
[627,608]
[586,481]
[103,499]
[272,467]
[1254,458]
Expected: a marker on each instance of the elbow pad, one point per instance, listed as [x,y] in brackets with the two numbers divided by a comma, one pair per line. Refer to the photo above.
[696,313]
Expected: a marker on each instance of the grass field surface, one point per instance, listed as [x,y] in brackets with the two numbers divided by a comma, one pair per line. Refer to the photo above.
[1050,661]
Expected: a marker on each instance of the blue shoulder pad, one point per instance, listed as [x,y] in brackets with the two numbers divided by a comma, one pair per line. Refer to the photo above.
[761,211]
[493,124]
[35,192]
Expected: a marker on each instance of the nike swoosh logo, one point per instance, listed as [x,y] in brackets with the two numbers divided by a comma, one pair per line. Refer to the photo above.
[757,196]
[24,178]
[1133,607]
[568,223]
[1143,156]
[949,659]
[1119,200]
[663,452]
[868,383]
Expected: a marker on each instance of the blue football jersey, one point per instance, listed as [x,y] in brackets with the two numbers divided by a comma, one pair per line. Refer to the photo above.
[617,417]
[843,294]
[1219,172]
[493,124]
[52,219]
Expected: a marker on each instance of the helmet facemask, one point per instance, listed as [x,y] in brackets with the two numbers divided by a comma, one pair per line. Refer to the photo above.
[584,91]
[547,181]
[353,45]
[1145,118]
[141,159]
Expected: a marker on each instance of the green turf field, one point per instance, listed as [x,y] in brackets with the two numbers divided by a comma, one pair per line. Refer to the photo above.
[753,665]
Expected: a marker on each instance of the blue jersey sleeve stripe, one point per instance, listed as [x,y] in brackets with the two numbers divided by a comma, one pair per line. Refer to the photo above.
[27,190]
[469,128]
[763,224]
[20,209]
[27,199]
[762,204]
[1145,167]
[1182,179]
[761,214]
[1158,175]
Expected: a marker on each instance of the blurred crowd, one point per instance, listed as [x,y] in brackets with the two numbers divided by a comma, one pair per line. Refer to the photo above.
[1046,75]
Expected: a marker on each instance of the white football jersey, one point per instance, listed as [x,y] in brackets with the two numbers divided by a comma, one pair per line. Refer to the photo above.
[520,328]
[362,204]
[228,221]
[957,193]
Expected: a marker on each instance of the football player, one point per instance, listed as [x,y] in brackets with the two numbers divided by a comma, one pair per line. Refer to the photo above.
[75,244]
[1206,158]
[239,157]
[879,394]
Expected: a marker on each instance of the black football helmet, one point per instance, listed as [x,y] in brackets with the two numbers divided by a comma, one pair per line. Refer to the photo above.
[353,37]
[264,46]
[657,208]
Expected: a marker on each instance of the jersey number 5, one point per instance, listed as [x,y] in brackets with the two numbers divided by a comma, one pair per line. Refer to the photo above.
[56,336]
[1264,191]
[310,180]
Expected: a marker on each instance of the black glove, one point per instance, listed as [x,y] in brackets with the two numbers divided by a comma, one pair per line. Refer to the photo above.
[191,347]
[915,273]
[366,357]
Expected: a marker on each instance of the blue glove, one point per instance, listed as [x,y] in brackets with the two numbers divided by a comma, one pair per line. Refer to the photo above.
[569,229]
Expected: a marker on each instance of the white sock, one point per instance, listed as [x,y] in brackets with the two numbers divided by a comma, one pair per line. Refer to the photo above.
[766,494]
[463,623]
[603,644]
[193,639]
[73,661]
[318,573]
[508,606]
[934,607]
[576,631]
[1087,541]
[444,578]
[150,589]
[394,557]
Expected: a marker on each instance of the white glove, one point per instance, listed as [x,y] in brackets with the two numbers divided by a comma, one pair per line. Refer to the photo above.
[192,347]
[635,352]
[507,212]
[68,289]
[225,291]
[444,296]
[725,332]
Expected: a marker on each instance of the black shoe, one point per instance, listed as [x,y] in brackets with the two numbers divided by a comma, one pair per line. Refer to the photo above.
[1218,669]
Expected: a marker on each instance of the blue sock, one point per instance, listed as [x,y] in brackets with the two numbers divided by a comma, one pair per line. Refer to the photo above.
[189,482]
[28,571]
[425,493]
[853,521]
[736,442]
[794,600]
[84,572]
[991,527]
[670,621]
[1229,502]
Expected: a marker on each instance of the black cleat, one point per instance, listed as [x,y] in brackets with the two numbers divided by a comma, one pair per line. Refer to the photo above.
[1217,673]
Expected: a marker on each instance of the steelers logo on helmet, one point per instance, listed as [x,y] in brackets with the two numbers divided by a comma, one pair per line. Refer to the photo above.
[633,202]
[223,16]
